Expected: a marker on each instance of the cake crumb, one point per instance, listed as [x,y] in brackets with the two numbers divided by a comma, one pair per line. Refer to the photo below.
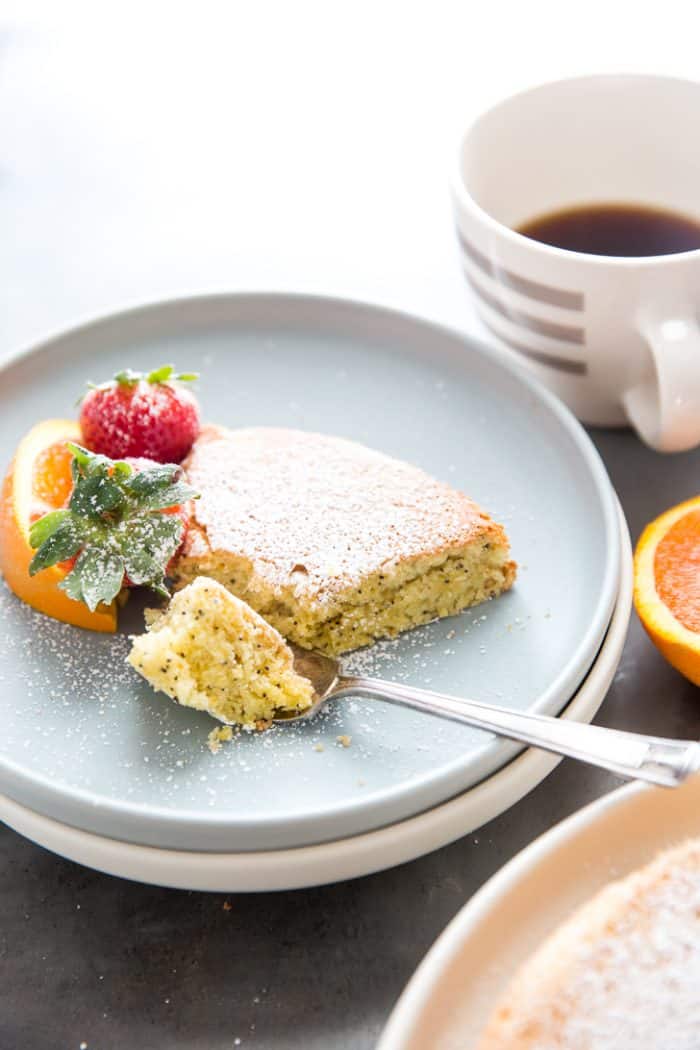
[218,736]
[344,740]
[210,651]
[450,635]
[227,906]
[318,747]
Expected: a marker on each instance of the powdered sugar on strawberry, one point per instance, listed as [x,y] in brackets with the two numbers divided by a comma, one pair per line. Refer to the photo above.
[137,415]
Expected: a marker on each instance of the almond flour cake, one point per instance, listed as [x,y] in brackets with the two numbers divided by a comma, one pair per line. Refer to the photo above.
[211,651]
[332,543]
[623,973]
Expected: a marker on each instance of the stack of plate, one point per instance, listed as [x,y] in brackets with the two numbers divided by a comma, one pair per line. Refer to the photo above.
[96,767]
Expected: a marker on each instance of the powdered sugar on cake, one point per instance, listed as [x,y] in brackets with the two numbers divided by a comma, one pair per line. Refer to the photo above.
[319,513]
[622,973]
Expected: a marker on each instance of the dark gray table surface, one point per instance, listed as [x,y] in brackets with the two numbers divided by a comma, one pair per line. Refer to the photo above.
[89,958]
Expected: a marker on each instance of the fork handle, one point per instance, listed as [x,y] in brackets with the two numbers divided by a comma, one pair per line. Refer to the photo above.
[655,759]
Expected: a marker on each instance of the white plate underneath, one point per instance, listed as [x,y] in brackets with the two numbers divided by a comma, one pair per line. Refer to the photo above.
[351,857]
[452,994]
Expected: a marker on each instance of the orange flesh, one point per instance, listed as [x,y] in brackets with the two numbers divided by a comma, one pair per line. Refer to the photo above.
[677,570]
[52,483]
[42,460]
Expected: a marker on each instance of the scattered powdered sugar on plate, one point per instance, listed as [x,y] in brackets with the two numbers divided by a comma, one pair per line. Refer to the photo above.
[75,712]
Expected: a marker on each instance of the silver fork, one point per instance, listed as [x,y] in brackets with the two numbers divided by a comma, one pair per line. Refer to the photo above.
[655,759]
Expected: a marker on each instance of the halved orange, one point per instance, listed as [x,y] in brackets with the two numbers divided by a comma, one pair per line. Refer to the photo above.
[667,585]
[38,481]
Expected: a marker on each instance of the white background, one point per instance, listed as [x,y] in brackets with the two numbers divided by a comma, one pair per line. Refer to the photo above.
[152,149]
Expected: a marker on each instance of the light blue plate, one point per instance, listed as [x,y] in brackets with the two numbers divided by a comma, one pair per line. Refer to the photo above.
[86,742]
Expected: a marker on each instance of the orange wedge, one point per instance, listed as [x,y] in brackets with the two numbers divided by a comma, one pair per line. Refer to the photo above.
[667,586]
[38,481]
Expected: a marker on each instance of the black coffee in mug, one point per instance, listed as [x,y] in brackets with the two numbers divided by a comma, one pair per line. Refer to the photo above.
[616,229]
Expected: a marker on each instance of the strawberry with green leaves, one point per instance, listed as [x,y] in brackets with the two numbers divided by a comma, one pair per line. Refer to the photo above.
[140,414]
[123,525]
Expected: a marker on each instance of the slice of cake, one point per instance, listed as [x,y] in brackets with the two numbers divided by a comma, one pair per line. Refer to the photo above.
[335,544]
[211,651]
[622,973]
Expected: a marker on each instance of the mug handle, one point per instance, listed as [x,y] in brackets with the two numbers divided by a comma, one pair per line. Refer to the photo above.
[664,408]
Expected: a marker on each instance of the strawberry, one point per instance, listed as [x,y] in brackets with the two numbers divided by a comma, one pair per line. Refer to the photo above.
[122,526]
[141,415]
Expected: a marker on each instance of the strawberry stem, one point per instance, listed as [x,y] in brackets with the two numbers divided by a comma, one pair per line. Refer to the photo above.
[128,377]
[114,525]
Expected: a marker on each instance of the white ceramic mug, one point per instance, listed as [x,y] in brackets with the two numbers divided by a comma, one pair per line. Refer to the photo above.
[615,337]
